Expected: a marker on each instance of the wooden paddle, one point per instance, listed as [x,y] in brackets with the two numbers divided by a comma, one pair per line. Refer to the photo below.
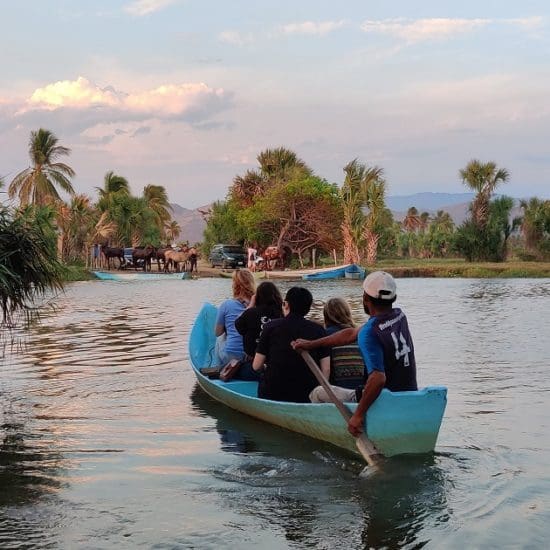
[364,444]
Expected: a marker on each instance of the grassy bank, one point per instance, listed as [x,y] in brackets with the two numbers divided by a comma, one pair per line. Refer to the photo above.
[460,268]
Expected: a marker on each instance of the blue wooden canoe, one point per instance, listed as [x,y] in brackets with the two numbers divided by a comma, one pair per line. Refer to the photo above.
[352,271]
[397,423]
[139,276]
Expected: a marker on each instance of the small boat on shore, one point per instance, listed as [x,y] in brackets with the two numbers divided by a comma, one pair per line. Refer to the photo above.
[139,276]
[349,271]
[397,422]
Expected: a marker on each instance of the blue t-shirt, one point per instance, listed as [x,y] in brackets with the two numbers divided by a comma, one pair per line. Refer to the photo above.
[227,313]
[371,348]
[386,346]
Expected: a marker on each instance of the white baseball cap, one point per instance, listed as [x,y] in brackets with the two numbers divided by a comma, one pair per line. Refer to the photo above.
[380,285]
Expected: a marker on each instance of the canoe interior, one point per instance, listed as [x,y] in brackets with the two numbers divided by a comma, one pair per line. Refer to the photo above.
[397,423]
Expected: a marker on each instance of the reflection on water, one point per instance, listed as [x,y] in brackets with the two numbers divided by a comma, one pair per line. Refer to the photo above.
[105,440]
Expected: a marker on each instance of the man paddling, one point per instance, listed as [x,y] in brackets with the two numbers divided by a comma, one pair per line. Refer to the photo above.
[386,346]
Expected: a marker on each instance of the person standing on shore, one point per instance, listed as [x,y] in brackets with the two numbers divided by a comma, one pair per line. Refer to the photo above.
[386,346]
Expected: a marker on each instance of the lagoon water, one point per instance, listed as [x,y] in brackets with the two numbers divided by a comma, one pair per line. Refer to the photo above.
[106,442]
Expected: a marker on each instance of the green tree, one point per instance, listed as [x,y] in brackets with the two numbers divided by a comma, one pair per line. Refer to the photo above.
[483,178]
[38,184]
[156,199]
[535,224]
[29,267]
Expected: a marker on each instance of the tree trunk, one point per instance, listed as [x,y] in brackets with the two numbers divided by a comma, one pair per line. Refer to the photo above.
[372,239]
[351,252]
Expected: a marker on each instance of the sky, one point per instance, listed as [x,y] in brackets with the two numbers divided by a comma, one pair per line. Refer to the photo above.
[186,93]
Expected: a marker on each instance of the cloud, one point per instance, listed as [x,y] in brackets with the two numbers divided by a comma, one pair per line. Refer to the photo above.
[423,29]
[191,101]
[139,8]
[236,38]
[420,30]
[311,27]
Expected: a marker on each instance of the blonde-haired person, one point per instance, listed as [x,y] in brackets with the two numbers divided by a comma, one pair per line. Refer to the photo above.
[229,344]
[337,315]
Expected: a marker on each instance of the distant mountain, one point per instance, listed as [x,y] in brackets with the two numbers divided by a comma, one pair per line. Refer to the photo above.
[191,222]
[427,201]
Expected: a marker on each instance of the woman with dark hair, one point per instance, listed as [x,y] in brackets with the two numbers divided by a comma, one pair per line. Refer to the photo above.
[265,305]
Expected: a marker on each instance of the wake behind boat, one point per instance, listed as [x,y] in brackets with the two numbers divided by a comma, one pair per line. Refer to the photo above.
[397,422]
[139,276]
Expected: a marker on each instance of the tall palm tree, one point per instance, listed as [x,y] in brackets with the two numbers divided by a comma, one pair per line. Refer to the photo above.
[113,184]
[246,189]
[483,178]
[351,195]
[280,164]
[38,183]
[156,199]
[375,194]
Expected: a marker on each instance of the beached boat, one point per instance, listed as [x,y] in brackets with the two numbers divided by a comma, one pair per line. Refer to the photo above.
[350,271]
[397,423]
[139,276]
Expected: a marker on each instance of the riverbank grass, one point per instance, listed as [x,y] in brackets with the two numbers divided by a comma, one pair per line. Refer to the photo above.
[415,267]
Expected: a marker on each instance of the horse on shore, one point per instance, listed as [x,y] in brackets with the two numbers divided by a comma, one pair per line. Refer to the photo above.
[175,258]
[143,254]
[272,257]
[110,252]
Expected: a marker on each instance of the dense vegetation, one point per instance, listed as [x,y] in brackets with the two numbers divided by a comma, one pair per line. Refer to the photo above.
[283,202]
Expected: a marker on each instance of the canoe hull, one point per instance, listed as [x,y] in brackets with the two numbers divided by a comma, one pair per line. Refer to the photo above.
[109,276]
[352,271]
[397,423]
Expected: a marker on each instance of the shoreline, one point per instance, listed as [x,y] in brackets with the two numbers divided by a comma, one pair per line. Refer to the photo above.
[399,268]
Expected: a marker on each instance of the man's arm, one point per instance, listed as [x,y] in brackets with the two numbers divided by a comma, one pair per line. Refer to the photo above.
[375,384]
[340,338]
[258,362]
[219,330]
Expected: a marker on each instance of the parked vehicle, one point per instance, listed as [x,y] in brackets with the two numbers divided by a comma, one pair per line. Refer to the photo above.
[227,255]
[129,259]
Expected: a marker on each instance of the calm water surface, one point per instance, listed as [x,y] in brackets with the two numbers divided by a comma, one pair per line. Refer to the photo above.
[106,442]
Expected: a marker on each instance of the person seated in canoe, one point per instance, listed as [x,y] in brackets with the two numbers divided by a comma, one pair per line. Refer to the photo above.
[229,343]
[286,376]
[337,316]
[386,346]
[346,363]
[265,305]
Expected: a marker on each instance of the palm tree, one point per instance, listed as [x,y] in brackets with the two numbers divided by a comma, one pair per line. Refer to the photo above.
[483,178]
[246,189]
[112,184]
[156,199]
[37,184]
[280,164]
[76,222]
[29,267]
[353,215]
[535,221]
[411,222]
[173,230]
[374,193]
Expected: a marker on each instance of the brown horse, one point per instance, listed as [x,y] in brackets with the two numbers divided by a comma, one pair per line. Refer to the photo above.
[273,256]
[110,252]
[176,258]
[143,254]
